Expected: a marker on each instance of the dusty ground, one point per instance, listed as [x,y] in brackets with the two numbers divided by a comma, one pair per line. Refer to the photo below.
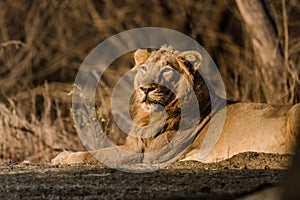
[230,179]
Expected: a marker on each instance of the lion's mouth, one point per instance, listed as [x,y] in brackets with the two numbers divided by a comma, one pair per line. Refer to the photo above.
[155,102]
[154,99]
[149,100]
[149,104]
[151,107]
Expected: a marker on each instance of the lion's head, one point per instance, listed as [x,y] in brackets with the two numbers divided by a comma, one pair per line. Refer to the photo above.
[165,80]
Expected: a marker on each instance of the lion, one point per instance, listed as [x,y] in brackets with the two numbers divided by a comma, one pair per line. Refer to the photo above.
[169,90]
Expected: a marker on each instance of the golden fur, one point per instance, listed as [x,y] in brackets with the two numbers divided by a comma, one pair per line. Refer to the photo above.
[248,126]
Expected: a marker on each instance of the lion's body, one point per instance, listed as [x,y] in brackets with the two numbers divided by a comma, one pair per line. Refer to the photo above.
[163,94]
[252,127]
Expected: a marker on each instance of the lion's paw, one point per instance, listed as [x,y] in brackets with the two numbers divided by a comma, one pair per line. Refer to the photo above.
[70,157]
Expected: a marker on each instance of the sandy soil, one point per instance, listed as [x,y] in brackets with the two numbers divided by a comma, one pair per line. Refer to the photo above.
[229,179]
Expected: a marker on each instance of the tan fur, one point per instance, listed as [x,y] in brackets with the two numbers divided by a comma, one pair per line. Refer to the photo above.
[253,127]
[248,126]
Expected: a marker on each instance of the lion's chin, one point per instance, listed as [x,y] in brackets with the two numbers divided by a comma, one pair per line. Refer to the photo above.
[149,107]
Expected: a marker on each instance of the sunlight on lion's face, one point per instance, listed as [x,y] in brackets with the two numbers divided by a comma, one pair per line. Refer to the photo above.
[154,79]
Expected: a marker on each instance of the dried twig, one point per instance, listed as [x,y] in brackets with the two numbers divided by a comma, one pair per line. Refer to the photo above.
[16,43]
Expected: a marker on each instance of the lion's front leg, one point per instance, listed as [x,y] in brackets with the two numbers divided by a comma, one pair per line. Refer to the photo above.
[111,156]
[70,157]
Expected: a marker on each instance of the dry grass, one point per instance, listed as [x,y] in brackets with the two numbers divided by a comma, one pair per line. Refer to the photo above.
[42,44]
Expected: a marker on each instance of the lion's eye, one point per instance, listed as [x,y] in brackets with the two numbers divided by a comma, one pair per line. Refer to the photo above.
[167,69]
[143,68]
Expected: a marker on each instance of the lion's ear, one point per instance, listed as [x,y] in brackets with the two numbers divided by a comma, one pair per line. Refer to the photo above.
[193,57]
[140,56]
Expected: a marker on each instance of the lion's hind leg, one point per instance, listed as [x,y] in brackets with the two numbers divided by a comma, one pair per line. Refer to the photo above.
[293,126]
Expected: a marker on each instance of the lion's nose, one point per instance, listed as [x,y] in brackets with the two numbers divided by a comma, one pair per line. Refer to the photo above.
[146,89]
